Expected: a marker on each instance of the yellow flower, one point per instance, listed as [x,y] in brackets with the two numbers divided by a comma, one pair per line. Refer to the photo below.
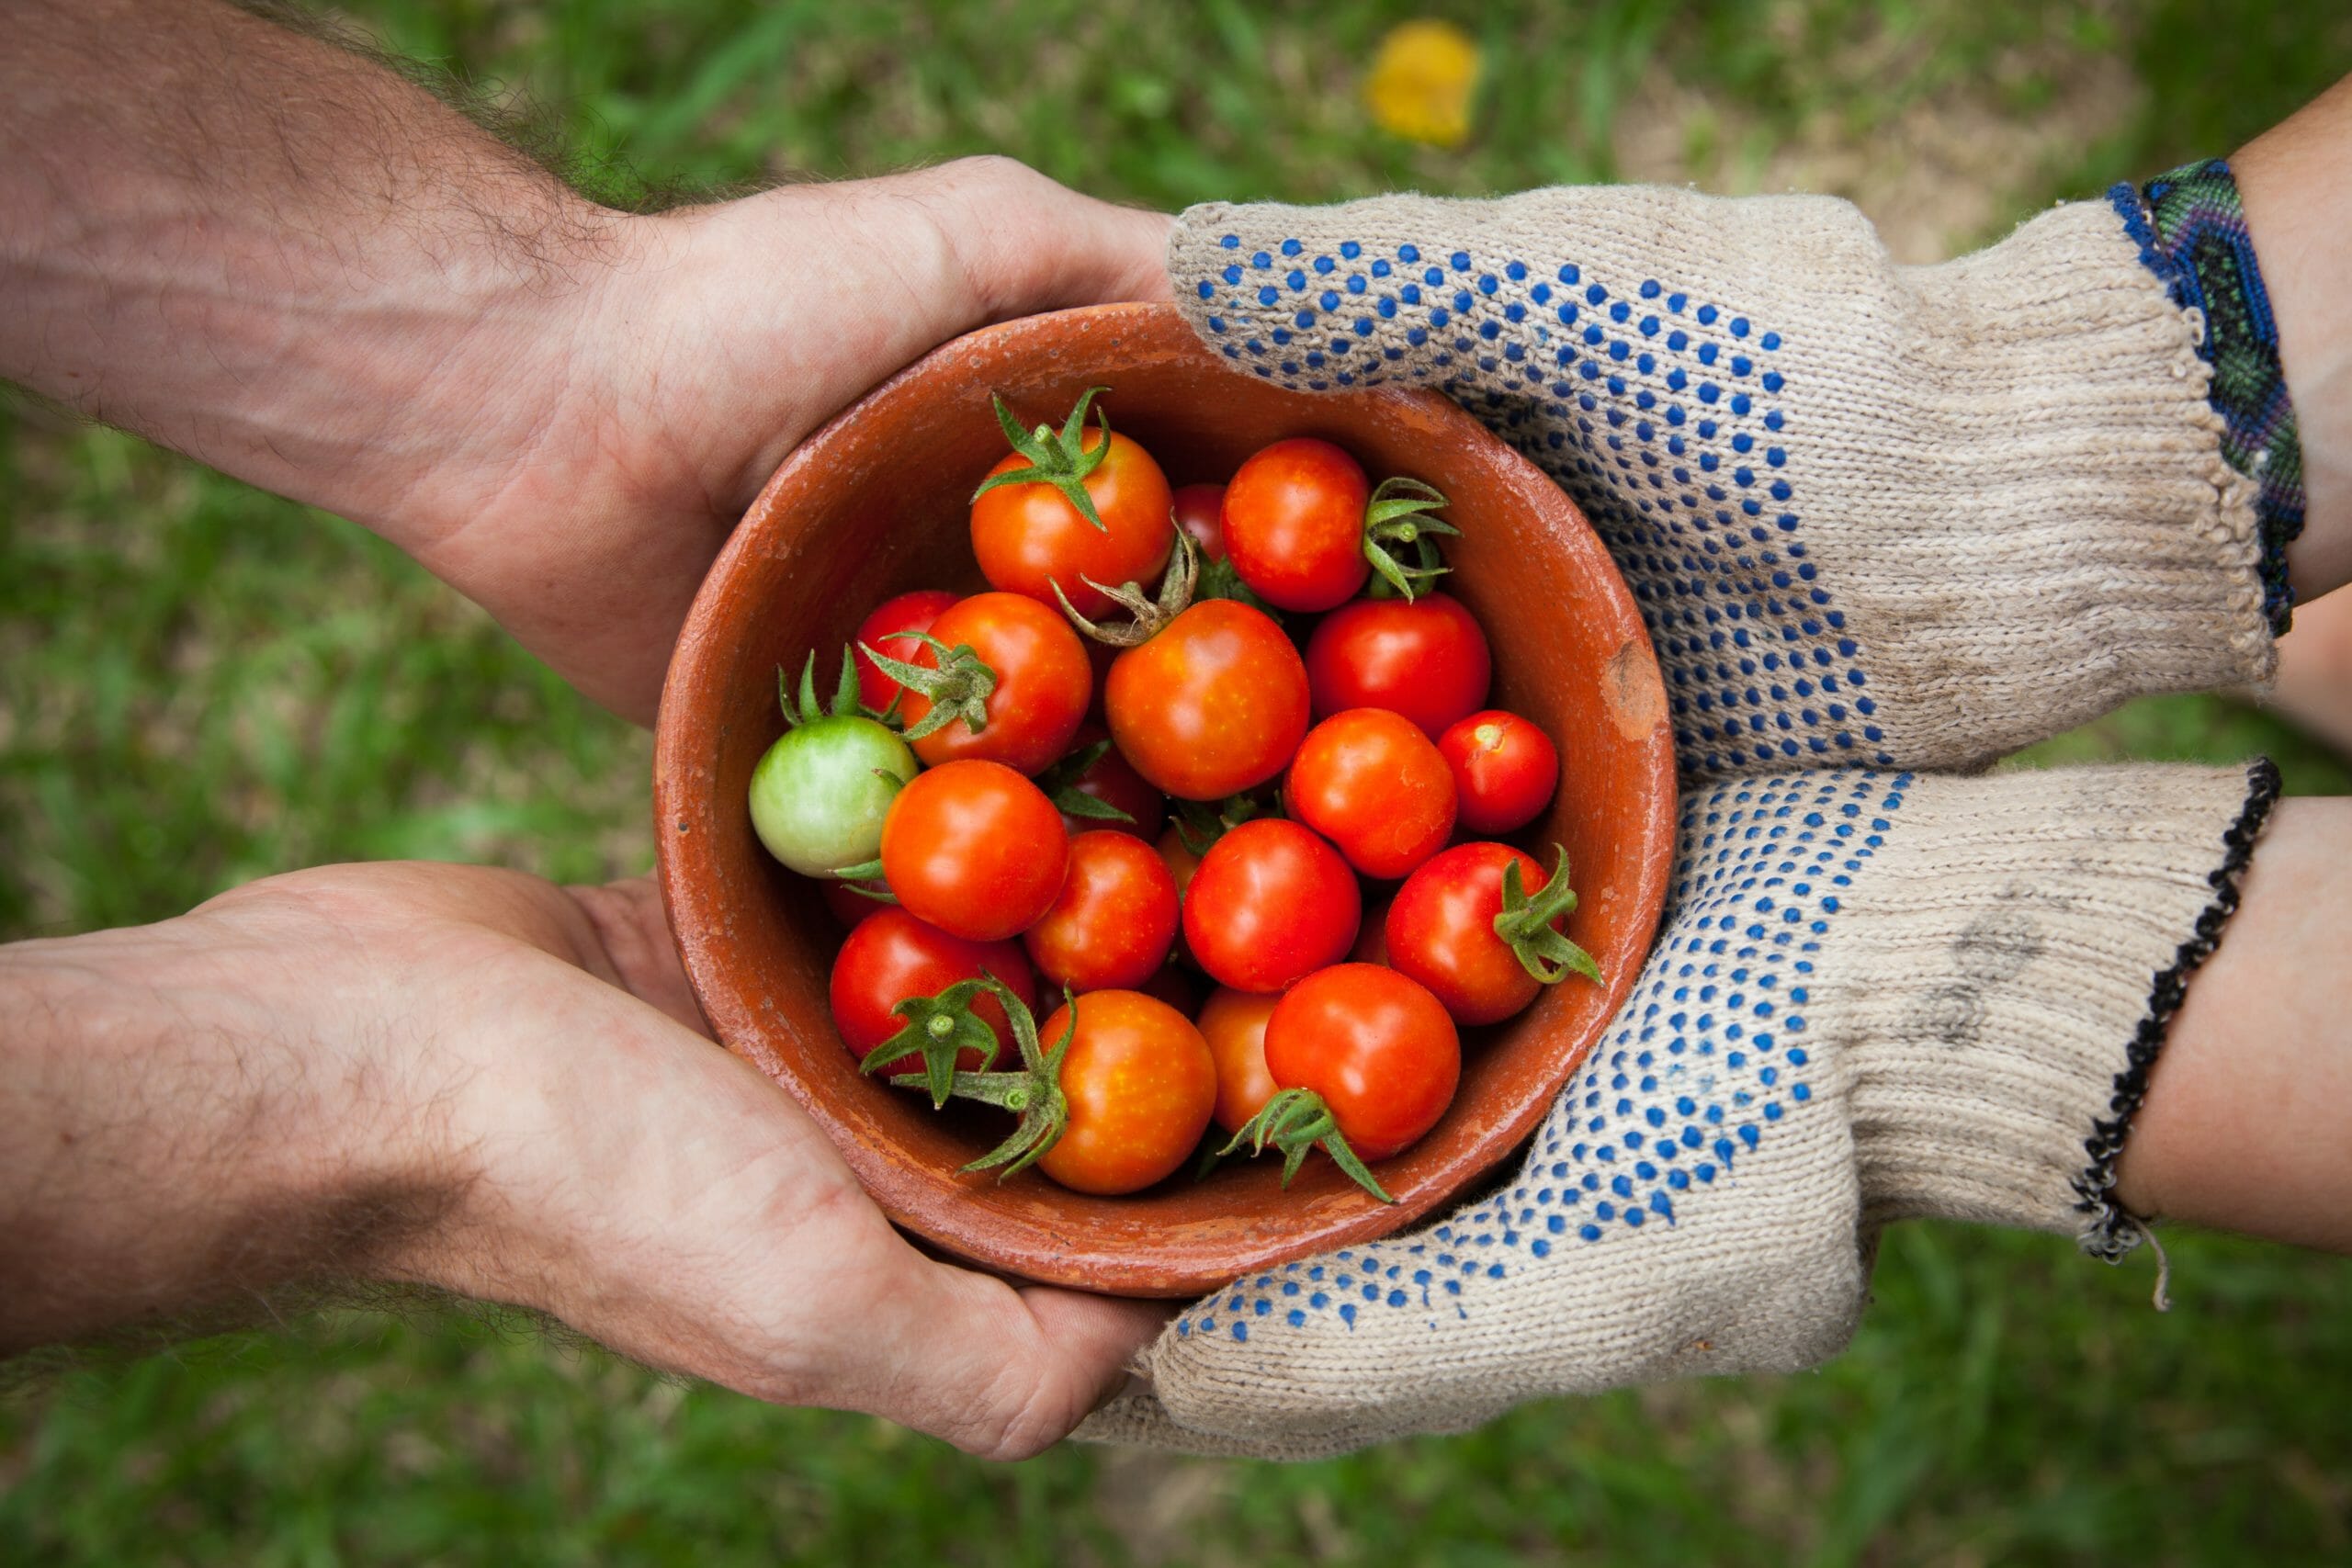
[1422,81]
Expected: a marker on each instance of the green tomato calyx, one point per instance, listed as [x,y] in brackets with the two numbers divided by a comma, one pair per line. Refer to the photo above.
[801,707]
[1526,923]
[1059,458]
[959,686]
[938,1029]
[1032,1091]
[1398,519]
[1294,1121]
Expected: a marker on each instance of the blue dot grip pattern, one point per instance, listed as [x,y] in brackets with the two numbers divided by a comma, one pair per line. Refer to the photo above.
[1661,413]
[1710,1057]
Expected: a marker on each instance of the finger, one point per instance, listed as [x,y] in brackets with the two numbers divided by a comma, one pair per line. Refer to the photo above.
[1024,243]
[1001,1372]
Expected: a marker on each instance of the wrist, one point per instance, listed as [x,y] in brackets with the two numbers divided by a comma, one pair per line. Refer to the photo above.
[198,1112]
[2009,976]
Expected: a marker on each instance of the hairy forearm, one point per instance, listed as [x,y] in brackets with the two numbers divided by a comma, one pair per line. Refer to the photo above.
[277,255]
[173,1142]
[2248,1120]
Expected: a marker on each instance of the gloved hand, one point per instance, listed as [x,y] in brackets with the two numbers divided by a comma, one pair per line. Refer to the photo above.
[1902,517]
[1910,516]
[1876,996]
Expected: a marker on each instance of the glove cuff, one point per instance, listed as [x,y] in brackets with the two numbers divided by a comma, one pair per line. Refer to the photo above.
[2004,981]
[1906,516]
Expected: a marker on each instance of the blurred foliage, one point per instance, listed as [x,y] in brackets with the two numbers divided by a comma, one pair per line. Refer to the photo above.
[199,685]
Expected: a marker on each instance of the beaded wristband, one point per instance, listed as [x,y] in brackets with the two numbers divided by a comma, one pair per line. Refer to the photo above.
[2191,230]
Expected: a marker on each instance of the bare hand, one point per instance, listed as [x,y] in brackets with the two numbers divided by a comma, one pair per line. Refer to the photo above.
[523,1065]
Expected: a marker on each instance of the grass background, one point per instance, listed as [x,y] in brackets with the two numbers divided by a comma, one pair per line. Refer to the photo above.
[199,685]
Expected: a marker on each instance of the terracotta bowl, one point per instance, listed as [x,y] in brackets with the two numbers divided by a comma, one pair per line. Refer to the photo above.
[875,504]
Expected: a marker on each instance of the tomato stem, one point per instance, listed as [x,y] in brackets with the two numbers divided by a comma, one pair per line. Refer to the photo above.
[1062,460]
[1526,924]
[1032,1091]
[938,1029]
[1398,515]
[1294,1121]
[801,707]
[959,686]
[1150,618]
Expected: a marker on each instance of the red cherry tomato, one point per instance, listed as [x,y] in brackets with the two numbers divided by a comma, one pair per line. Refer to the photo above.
[1043,683]
[1427,660]
[1504,771]
[892,956]
[1441,931]
[1199,510]
[975,849]
[1113,780]
[853,909]
[1270,902]
[1234,1023]
[1369,780]
[1140,1084]
[1212,706]
[1294,523]
[1028,536]
[907,613]
[1376,1045]
[1110,926]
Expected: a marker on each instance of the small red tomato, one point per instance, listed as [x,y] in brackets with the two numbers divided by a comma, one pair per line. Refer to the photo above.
[975,849]
[1270,902]
[1213,704]
[1234,1023]
[1029,536]
[1294,523]
[1376,1045]
[1369,780]
[1110,926]
[1504,771]
[907,613]
[892,956]
[852,909]
[1140,1084]
[1043,683]
[1198,510]
[1427,660]
[1441,931]
[1111,780]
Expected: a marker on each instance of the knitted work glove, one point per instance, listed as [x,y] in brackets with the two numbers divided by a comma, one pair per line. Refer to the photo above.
[1892,515]
[1876,996]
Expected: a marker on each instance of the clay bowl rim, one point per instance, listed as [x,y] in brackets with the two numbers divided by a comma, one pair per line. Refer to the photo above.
[912,1197]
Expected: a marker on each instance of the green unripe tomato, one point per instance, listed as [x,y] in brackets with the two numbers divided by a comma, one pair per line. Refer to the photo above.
[820,794]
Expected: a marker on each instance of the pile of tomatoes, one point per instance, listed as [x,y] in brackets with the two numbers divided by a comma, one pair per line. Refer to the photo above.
[1243,758]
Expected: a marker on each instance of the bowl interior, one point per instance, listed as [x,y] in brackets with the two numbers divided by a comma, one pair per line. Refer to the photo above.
[877,504]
